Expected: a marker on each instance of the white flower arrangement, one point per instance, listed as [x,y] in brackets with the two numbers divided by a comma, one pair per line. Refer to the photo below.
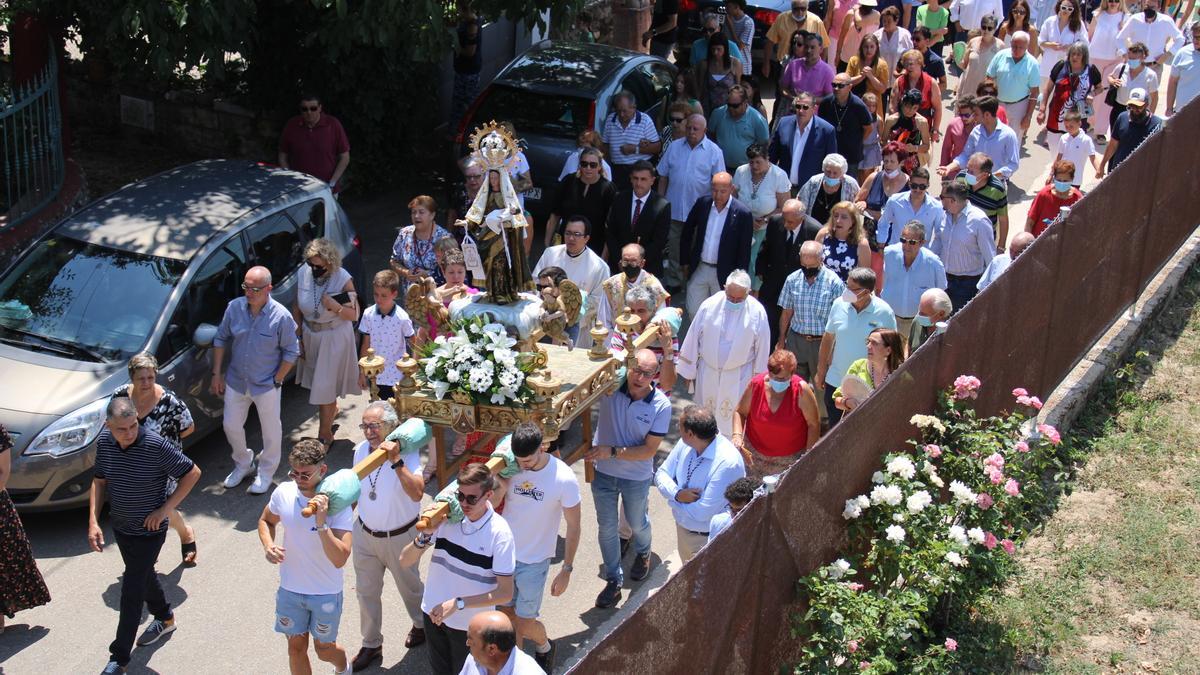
[478,360]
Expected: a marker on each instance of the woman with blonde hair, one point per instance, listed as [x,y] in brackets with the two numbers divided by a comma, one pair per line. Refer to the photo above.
[844,240]
[160,410]
[325,309]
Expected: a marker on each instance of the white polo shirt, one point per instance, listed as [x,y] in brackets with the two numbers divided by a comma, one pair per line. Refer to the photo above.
[689,172]
[1078,150]
[467,558]
[389,338]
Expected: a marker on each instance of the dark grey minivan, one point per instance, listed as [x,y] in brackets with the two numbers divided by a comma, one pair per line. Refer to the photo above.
[150,267]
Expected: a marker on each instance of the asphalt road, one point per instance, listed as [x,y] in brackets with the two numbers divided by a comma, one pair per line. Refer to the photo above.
[225,606]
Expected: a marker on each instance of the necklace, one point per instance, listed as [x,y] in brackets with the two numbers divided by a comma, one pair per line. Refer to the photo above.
[840,112]
[691,468]
[754,185]
[462,527]
[373,478]
[318,291]
[876,378]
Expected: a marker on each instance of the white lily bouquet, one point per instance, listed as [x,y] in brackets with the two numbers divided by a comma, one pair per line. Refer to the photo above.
[478,361]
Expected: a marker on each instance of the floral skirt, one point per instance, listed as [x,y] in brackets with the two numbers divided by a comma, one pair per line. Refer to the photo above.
[21,584]
[768,465]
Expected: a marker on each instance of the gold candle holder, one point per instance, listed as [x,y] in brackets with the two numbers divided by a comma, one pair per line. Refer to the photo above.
[371,366]
[545,386]
[408,369]
[627,323]
[599,350]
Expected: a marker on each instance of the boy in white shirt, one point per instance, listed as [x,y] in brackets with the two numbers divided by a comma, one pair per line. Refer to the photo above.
[309,599]
[545,491]
[386,327]
[1074,146]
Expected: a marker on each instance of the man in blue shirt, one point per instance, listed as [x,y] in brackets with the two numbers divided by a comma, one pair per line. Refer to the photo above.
[858,312]
[993,138]
[630,426]
[1132,127]
[694,477]
[736,126]
[904,207]
[1017,77]
[262,334]
[910,269]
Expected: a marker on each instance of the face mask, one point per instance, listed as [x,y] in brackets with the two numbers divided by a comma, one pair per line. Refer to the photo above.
[779,387]
[970,179]
[892,174]
[734,306]
[849,296]
[317,272]
[1150,14]
[811,272]
[1134,63]
[832,182]
[924,321]
[631,271]
[1062,185]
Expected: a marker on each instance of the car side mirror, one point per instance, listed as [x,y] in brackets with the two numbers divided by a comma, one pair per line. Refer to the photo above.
[204,335]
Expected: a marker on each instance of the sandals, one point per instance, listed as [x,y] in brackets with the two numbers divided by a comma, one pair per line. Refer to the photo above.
[188,550]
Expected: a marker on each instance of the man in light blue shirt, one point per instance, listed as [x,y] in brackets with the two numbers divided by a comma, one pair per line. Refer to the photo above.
[630,425]
[858,312]
[684,174]
[736,126]
[910,269]
[694,477]
[1000,263]
[905,207]
[993,138]
[1017,77]
[965,243]
[1184,83]
[262,334]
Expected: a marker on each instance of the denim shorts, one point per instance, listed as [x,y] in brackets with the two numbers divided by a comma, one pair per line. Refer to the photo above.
[298,613]
[529,584]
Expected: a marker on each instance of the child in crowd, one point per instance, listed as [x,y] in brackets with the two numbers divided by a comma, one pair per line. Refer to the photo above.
[454,269]
[1074,146]
[583,27]
[386,328]
[738,494]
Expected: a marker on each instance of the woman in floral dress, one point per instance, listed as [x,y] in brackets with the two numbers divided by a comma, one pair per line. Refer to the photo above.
[21,584]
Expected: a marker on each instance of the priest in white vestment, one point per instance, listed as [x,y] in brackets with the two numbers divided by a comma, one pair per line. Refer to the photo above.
[728,342]
[583,267]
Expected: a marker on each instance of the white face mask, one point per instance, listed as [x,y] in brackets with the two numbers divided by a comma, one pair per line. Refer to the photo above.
[849,296]
[892,174]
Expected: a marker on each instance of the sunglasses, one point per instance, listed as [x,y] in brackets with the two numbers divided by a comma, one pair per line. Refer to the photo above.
[590,165]
[839,85]
[678,120]
[910,242]
[305,475]
[919,186]
[1019,12]
[309,108]
[803,106]
[252,288]
[469,500]
[372,426]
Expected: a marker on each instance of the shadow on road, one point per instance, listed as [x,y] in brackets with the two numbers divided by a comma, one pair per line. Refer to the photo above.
[17,637]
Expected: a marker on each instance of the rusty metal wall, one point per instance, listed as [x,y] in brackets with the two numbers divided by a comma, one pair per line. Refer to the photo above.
[729,609]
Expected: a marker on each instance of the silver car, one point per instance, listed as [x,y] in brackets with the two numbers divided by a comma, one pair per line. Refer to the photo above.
[150,267]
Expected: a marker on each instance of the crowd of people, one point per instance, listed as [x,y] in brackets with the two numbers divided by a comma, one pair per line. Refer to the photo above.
[804,246]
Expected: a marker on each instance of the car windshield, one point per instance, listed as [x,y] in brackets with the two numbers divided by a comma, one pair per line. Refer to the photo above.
[531,111]
[84,301]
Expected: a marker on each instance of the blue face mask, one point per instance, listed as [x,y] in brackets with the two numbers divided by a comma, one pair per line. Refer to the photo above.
[832,182]
[924,321]
[1062,185]
[1134,63]
[970,179]
[735,306]
[779,387]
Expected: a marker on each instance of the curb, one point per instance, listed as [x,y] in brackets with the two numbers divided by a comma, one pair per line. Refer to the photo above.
[1069,398]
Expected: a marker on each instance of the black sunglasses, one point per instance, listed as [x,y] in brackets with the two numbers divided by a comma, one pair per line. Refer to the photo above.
[802,106]
[469,500]
[912,242]
[678,120]
[309,108]
[589,165]
[918,186]
[840,85]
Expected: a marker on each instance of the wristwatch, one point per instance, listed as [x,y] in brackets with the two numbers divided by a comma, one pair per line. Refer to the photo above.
[568,567]
[398,463]
[460,604]
[278,384]
[322,527]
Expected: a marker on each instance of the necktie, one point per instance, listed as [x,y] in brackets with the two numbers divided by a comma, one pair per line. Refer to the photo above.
[792,238]
[637,211]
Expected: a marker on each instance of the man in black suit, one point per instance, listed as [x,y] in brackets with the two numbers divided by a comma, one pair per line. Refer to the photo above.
[780,255]
[639,216]
[715,241]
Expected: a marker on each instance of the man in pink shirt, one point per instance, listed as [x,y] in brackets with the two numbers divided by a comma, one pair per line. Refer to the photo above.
[959,128]
[315,143]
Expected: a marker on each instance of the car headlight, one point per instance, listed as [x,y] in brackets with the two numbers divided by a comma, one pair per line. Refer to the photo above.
[71,432]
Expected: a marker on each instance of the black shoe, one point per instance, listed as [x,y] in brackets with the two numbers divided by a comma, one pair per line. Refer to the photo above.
[610,596]
[624,547]
[546,661]
[366,657]
[641,567]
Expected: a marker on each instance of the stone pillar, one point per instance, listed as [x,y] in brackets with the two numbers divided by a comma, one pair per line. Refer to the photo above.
[631,18]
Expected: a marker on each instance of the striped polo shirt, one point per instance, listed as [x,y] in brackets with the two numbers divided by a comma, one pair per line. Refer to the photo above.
[641,128]
[992,198]
[137,477]
[467,558]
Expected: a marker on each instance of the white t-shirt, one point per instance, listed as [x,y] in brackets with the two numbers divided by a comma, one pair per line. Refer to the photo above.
[388,339]
[534,505]
[1076,149]
[305,568]
[392,507]
[467,558]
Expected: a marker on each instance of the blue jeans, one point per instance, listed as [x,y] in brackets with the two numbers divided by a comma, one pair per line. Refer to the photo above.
[635,494]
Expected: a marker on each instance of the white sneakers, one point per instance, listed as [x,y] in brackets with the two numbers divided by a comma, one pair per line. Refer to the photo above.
[236,476]
[260,485]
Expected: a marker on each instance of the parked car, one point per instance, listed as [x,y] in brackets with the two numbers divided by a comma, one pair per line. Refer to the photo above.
[691,24]
[150,267]
[554,91]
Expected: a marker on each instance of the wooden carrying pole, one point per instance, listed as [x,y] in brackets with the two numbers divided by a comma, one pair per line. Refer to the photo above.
[436,513]
[369,463]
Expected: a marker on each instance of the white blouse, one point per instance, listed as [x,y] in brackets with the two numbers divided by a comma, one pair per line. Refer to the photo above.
[1104,39]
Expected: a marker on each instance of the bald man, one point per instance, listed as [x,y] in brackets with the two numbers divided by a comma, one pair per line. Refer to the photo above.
[715,241]
[683,177]
[1019,243]
[780,255]
[492,642]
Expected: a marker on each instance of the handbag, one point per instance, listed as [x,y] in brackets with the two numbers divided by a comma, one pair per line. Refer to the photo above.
[1111,97]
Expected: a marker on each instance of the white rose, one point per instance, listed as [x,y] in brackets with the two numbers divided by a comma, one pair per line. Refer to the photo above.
[902,466]
[958,535]
[918,501]
[975,534]
[838,569]
[895,534]
[962,493]
[852,510]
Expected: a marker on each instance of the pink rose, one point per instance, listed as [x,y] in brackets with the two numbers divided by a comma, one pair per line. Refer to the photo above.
[1019,392]
[996,475]
[995,459]
[1012,487]
[863,665]
[951,644]
[854,586]
[1050,433]
[966,386]
[852,646]
[1022,446]
[989,540]
[984,501]
[1035,402]
[1008,546]
[933,451]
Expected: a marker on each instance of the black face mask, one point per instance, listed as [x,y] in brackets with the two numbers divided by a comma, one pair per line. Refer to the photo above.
[811,272]
[631,271]
[1150,13]
[317,272]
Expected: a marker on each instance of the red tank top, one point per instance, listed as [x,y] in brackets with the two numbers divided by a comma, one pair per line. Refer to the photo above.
[776,434]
